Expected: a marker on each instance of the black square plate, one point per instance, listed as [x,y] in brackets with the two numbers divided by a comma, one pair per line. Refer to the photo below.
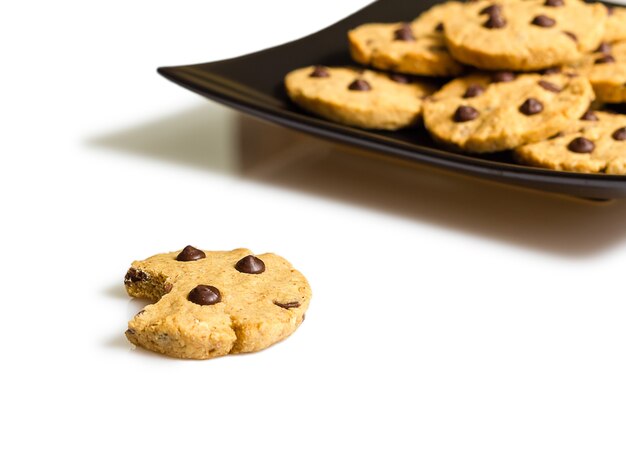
[254,84]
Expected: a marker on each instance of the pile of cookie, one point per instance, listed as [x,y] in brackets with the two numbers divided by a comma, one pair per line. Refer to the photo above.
[531,76]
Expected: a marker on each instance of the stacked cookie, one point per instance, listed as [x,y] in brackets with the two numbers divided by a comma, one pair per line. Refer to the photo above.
[527,72]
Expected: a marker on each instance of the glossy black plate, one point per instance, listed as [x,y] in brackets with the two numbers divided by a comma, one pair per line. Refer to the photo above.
[254,84]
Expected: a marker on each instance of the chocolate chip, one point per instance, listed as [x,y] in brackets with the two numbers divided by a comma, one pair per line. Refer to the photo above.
[404,33]
[204,295]
[190,253]
[589,115]
[495,21]
[130,331]
[554,3]
[473,90]
[465,114]
[606,59]
[320,72]
[571,35]
[549,86]
[134,276]
[558,135]
[250,264]
[610,10]
[551,71]
[581,145]
[620,134]
[531,107]
[605,47]
[439,27]
[288,305]
[360,85]
[167,287]
[400,78]
[502,77]
[543,21]
[491,9]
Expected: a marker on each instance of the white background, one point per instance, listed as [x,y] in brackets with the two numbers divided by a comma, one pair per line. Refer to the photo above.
[448,313]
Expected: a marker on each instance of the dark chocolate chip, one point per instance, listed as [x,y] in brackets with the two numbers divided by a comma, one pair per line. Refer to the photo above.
[549,86]
[134,276]
[204,295]
[531,107]
[250,264]
[571,35]
[543,21]
[554,3]
[495,21]
[606,59]
[130,331]
[190,253]
[288,305]
[320,72]
[620,134]
[610,10]
[558,135]
[551,71]
[491,9]
[465,114]
[360,85]
[400,78]
[605,47]
[439,27]
[404,33]
[581,145]
[473,90]
[502,77]
[589,115]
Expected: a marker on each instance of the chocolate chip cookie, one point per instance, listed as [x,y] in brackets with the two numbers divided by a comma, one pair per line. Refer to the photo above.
[594,144]
[491,112]
[524,35]
[212,303]
[361,98]
[415,47]
[606,70]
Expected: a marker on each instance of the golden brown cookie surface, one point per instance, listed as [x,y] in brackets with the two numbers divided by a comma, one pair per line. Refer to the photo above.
[365,99]
[595,145]
[606,70]
[524,35]
[615,24]
[415,48]
[491,112]
[212,305]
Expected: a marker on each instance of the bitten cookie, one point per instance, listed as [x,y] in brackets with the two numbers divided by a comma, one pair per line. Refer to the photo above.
[365,99]
[524,35]
[210,304]
[596,145]
[486,113]
[615,24]
[606,70]
[415,48]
